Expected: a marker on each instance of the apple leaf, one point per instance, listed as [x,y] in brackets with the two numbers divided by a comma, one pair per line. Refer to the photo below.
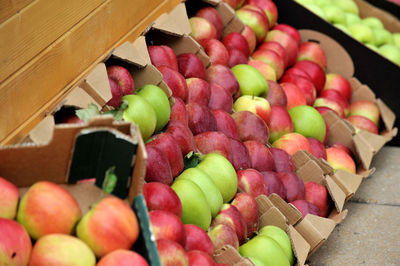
[110,180]
[87,113]
[118,114]
[191,160]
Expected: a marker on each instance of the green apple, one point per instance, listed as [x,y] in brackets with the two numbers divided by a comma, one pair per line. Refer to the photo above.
[305,2]
[347,6]
[210,190]
[264,249]
[334,14]
[362,33]
[308,122]
[281,238]
[251,81]
[316,10]
[342,28]
[396,39]
[256,261]
[141,113]
[372,47]
[195,208]
[257,105]
[373,23]
[391,52]
[159,101]
[352,19]
[382,36]
[322,3]
[221,171]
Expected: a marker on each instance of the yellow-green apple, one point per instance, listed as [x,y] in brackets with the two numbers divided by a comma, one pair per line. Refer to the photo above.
[361,122]
[277,48]
[289,30]
[338,82]
[175,81]
[212,15]
[267,250]
[240,155]
[251,127]
[251,181]
[142,113]
[281,238]
[317,148]
[63,250]
[352,19]
[198,91]
[220,98]
[391,52]
[224,77]
[265,69]
[251,81]
[216,51]
[308,122]
[159,101]
[221,171]
[313,52]
[200,258]
[171,253]
[342,147]
[201,119]
[314,71]
[178,111]
[166,143]
[396,39]
[373,22]
[15,244]
[306,207]
[159,196]
[287,41]
[318,195]
[342,28]
[294,186]
[256,19]
[271,58]
[214,141]
[121,257]
[157,166]
[162,55]
[183,136]
[235,40]
[9,196]
[337,97]
[198,239]
[166,225]
[248,207]
[109,225]
[190,66]
[260,156]
[276,95]
[226,124]
[195,208]
[255,261]
[231,3]
[202,29]
[222,235]
[334,14]
[362,33]
[48,208]
[236,57]
[305,85]
[294,95]
[207,186]
[116,93]
[381,37]
[347,6]
[331,104]
[274,183]
[257,105]
[279,123]
[229,215]
[122,77]
[322,110]
[316,10]
[339,159]
[283,161]
[366,109]
[250,36]
[269,9]
[292,142]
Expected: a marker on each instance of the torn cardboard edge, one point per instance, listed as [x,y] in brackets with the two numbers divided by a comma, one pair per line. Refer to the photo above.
[230,255]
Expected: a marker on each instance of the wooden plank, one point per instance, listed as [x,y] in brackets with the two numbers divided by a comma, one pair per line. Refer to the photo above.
[8,8]
[68,61]
[30,31]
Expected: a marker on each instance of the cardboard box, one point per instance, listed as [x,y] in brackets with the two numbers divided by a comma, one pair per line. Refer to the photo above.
[370,68]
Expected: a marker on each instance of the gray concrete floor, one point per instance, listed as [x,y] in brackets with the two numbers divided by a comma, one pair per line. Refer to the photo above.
[370,234]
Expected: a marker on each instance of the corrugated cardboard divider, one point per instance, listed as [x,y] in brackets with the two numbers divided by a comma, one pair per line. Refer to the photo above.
[348,182]
[229,255]
[96,84]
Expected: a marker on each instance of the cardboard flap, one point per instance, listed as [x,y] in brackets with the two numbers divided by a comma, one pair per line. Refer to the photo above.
[338,217]
[354,83]
[228,255]
[339,131]
[364,151]
[348,182]
[307,230]
[376,142]
[79,98]
[273,217]
[43,132]
[299,245]
[311,172]
[323,225]
[291,213]
[387,115]
[337,58]
[244,262]
[264,204]
[362,92]
[300,158]
[336,193]
[130,53]
[96,84]
[231,22]
[139,172]
[175,23]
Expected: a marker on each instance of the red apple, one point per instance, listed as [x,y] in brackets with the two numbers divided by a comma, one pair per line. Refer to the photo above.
[287,41]
[366,109]
[239,3]
[214,141]
[317,148]
[294,186]
[256,19]
[236,57]
[201,119]
[339,83]
[272,58]
[269,9]
[202,29]
[274,183]
[212,15]
[198,91]
[295,96]
[231,3]
[178,111]
[166,225]
[314,71]
[339,159]
[247,206]
[220,98]
[313,52]
[240,155]
[250,37]
[159,196]
[200,258]
[226,124]
[361,122]
[122,257]
[298,72]
[162,55]
[229,215]
[337,97]
[331,104]
[318,195]
[222,235]
[251,181]
[198,239]
[260,156]
[283,161]
[166,143]
[116,93]
[216,51]
[224,77]
[279,123]
[277,48]
[237,41]
[306,207]
[157,166]
[183,136]
[122,77]
[251,127]
[289,30]
[292,142]
[171,253]
[276,94]
[265,69]
[73,119]
[190,66]
[305,85]
[175,81]
[9,196]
